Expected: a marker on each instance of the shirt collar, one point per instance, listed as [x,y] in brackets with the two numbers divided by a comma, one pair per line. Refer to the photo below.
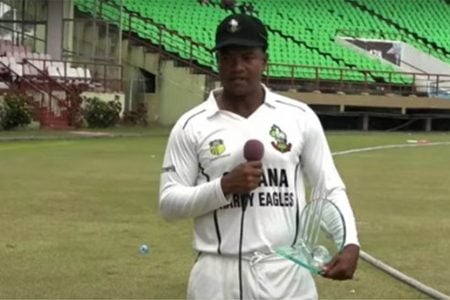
[212,107]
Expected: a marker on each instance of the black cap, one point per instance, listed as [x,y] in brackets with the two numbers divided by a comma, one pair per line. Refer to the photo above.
[241,30]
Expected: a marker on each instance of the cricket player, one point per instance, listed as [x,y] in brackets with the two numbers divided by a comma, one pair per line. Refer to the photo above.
[244,210]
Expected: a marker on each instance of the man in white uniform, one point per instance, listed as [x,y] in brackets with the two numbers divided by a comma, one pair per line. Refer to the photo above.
[206,177]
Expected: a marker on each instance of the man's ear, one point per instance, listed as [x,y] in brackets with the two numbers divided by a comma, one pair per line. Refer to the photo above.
[216,55]
[266,58]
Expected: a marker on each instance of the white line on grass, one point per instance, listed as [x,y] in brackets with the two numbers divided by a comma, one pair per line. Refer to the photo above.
[35,146]
[378,263]
[388,147]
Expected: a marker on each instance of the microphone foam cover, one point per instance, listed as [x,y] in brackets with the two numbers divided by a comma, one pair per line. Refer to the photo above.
[253,150]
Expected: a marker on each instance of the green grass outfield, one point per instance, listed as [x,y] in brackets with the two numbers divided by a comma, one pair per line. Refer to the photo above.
[73,213]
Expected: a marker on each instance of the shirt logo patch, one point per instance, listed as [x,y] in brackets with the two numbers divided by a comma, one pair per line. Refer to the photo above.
[216,147]
[280,143]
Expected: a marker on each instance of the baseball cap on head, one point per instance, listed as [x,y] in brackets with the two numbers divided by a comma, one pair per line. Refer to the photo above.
[241,30]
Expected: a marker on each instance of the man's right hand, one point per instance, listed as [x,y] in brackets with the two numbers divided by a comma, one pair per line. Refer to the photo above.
[243,178]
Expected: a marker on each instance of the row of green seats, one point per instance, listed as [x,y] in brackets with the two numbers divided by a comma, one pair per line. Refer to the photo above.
[202,30]
[322,38]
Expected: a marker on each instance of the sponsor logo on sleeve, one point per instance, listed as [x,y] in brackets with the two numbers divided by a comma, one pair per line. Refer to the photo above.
[216,147]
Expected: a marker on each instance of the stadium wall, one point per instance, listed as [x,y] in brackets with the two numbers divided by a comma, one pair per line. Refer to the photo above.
[177,89]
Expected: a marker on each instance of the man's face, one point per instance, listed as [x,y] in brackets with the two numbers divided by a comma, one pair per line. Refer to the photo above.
[240,69]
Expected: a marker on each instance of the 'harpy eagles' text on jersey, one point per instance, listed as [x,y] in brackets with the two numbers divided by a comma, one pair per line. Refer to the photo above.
[207,142]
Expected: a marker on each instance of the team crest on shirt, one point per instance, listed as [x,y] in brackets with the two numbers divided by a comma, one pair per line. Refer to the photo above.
[216,147]
[233,26]
[280,142]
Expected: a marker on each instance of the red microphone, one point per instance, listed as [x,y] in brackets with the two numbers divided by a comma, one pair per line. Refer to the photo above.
[253,150]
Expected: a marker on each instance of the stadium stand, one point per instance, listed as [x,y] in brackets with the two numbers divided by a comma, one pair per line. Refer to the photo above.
[335,46]
[25,63]
[51,81]
[302,33]
[326,46]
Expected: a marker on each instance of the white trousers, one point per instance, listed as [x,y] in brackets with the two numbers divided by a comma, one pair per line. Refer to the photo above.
[263,277]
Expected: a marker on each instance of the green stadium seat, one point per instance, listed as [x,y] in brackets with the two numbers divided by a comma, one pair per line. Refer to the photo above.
[310,25]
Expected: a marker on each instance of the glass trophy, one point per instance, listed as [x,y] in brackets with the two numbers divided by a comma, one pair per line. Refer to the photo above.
[321,237]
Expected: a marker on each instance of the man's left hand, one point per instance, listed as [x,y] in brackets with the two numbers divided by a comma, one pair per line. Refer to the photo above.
[343,265]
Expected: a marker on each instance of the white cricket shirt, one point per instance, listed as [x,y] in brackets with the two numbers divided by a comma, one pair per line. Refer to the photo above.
[207,142]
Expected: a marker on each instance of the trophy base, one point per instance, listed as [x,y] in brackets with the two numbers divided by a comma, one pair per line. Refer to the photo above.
[311,259]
